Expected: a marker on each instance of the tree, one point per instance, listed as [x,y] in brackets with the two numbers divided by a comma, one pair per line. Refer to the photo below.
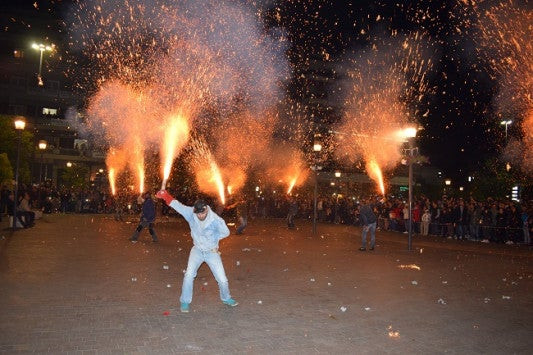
[9,145]
[493,180]
[75,176]
[6,170]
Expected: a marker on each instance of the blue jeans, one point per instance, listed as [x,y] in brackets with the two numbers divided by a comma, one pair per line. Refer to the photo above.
[213,260]
[372,228]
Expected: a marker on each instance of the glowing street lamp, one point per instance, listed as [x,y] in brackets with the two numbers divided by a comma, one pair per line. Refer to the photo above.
[19,126]
[317,148]
[42,48]
[42,147]
[506,123]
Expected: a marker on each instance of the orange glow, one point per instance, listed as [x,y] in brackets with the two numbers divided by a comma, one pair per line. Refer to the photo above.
[137,162]
[208,175]
[115,161]
[235,178]
[374,172]
[176,135]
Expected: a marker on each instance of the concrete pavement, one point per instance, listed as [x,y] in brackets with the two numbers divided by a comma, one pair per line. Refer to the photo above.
[75,284]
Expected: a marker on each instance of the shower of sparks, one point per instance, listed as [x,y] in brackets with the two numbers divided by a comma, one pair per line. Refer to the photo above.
[115,161]
[148,60]
[112,178]
[374,172]
[291,185]
[506,30]
[386,84]
[176,135]
[208,175]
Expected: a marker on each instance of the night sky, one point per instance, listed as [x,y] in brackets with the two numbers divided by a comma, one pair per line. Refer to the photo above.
[458,113]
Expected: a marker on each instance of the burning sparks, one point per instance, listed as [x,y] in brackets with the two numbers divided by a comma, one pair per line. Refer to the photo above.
[375,174]
[386,84]
[291,184]
[207,172]
[176,135]
[112,179]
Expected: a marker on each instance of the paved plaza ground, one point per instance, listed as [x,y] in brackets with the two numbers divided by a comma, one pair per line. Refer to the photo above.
[75,284]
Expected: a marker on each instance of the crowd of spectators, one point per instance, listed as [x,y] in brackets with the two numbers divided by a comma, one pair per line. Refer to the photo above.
[490,220]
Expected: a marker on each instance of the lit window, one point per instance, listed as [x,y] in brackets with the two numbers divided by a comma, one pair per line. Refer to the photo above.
[50,111]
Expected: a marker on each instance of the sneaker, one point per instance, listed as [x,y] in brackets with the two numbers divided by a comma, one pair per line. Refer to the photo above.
[184,307]
[362,249]
[133,240]
[231,302]
[371,248]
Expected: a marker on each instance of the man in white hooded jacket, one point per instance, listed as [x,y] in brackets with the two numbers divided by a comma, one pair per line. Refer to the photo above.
[207,229]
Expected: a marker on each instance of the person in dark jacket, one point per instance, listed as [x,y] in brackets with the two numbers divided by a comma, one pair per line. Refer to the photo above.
[368,220]
[147,217]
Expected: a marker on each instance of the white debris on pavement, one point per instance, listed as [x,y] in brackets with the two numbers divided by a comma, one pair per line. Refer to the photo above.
[393,333]
[444,282]
[329,283]
[165,267]
[410,266]
[486,300]
[414,282]
[205,283]
[259,302]
[312,280]
[343,309]
[506,297]
[441,301]
[169,286]
[367,308]
[246,249]
[133,279]
[238,263]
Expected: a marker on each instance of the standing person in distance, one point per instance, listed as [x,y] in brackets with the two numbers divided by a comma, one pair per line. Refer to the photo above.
[368,220]
[147,217]
[207,229]
[292,211]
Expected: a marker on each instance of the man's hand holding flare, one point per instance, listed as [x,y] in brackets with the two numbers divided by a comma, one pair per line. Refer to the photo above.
[163,194]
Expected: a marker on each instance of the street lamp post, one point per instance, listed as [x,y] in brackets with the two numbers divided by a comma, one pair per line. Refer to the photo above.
[506,123]
[410,134]
[317,147]
[41,47]
[19,126]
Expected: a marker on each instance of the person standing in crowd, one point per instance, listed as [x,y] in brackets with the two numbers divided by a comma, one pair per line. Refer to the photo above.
[426,220]
[293,210]
[4,200]
[25,208]
[242,214]
[147,217]
[13,210]
[207,229]
[368,220]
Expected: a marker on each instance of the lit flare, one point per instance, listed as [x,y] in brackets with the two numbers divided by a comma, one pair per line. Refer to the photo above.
[374,172]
